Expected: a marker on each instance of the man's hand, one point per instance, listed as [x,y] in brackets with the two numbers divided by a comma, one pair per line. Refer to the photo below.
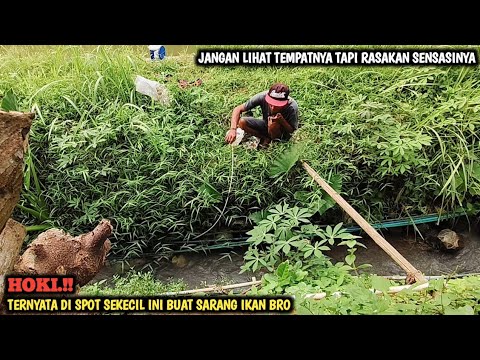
[231,135]
[277,118]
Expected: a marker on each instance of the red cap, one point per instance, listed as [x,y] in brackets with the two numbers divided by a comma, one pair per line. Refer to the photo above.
[277,95]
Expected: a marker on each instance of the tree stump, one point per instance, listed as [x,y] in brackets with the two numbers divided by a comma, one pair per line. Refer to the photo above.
[11,240]
[56,252]
[14,127]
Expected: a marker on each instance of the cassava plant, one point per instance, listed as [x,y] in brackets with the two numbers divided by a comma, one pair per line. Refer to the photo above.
[287,233]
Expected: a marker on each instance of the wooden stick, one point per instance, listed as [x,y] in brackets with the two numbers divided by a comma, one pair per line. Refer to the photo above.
[391,290]
[213,288]
[396,289]
[389,249]
[433,277]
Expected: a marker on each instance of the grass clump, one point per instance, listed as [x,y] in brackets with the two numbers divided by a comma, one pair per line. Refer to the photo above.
[134,283]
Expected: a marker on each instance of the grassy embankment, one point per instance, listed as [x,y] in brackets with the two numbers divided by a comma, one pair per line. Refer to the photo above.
[398,140]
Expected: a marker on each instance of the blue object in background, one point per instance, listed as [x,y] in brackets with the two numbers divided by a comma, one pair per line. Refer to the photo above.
[162,52]
[157,52]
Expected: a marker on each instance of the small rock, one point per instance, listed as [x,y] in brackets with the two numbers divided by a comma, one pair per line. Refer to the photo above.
[179,261]
[446,240]
[449,238]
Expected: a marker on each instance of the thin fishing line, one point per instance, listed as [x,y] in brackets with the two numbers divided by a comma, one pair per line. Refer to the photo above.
[226,200]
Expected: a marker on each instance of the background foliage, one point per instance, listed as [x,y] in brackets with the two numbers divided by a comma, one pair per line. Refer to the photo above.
[395,140]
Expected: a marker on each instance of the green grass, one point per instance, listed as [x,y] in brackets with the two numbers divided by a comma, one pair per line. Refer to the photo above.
[399,139]
[443,296]
[132,284]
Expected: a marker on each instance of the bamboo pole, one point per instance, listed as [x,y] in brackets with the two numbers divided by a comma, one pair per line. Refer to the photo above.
[391,290]
[213,288]
[389,249]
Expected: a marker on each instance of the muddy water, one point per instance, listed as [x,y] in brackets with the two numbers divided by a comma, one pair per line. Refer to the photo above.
[197,270]
[221,268]
[422,256]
